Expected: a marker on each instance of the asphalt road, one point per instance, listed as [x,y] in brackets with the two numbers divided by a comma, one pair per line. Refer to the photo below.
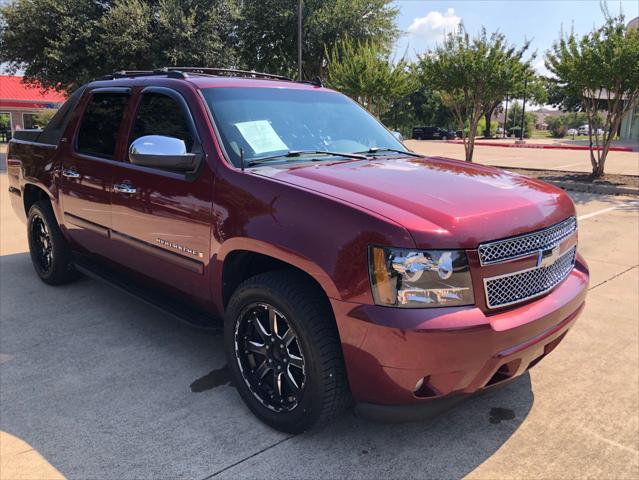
[96,384]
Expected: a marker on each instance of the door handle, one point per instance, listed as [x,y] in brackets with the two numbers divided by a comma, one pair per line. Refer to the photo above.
[124,188]
[70,173]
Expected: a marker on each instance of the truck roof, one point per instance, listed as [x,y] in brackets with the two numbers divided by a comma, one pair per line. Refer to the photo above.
[209,78]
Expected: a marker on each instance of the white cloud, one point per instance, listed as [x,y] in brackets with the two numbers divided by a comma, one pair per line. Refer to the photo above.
[432,28]
[540,67]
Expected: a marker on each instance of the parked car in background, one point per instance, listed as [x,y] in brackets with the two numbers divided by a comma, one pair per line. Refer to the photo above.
[432,133]
[572,131]
[583,130]
[342,266]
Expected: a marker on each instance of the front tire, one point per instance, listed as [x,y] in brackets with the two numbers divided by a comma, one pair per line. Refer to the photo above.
[50,253]
[284,352]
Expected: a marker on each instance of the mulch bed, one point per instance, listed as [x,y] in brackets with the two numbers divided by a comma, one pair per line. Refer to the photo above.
[612,180]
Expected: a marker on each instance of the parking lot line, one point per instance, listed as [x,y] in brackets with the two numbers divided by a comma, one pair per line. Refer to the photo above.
[606,210]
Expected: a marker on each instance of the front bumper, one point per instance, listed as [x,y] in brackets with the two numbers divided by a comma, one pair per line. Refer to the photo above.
[450,352]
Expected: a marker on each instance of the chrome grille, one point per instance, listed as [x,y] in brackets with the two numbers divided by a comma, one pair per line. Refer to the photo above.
[526,284]
[515,247]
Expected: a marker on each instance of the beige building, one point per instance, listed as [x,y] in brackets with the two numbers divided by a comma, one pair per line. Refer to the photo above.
[629,129]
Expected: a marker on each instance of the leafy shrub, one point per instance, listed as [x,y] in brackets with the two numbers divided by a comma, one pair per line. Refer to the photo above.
[43,117]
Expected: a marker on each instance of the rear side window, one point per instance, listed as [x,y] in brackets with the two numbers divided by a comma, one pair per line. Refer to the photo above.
[98,133]
[159,114]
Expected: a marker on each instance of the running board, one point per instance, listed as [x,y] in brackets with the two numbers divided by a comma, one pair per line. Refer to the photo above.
[187,314]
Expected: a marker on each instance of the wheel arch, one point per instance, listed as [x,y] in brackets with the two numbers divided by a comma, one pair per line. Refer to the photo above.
[33,193]
[244,258]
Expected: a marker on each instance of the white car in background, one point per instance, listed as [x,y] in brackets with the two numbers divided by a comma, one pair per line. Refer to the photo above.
[572,131]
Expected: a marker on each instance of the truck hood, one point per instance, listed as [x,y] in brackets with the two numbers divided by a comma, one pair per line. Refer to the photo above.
[443,203]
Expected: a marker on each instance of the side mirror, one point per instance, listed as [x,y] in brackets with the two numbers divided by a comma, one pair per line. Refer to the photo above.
[159,151]
[398,136]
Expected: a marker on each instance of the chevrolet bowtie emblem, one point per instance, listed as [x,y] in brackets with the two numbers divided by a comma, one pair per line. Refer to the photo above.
[548,256]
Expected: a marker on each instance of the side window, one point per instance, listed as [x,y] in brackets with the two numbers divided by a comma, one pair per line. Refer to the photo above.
[159,114]
[98,132]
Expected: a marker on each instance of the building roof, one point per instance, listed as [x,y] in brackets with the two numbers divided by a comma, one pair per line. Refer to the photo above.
[14,91]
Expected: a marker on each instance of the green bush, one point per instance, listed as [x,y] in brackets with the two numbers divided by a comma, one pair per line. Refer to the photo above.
[481,127]
[515,131]
[43,117]
[557,125]
[559,132]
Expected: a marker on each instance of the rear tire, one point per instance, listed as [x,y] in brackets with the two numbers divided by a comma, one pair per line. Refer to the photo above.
[290,370]
[50,253]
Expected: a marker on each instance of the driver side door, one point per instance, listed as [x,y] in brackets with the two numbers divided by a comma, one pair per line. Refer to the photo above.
[162,218]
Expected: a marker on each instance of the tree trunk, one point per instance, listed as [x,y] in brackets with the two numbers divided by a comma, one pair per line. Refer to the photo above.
[608,136]
[487,117]
[472,131]
[470,149]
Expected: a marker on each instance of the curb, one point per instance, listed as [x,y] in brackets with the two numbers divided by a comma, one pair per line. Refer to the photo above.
[542,146]
[600,189]
[579,186]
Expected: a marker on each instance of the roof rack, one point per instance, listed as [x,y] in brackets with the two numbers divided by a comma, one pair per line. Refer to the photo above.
[183,72]
[226,71]
[144,73]
[317,81]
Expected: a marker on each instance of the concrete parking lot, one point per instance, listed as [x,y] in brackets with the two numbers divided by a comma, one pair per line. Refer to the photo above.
[96,384]
[622,163]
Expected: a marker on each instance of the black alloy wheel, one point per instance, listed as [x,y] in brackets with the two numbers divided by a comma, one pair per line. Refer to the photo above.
[269,356]
[42,248]
[284,352]
[50,254]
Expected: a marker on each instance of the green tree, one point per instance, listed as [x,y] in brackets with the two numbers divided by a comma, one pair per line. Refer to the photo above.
[602,70]
[62,44]
[43,117]
[365,72]
[514,119]
[420,106]
[268,31]
[472,74]
[527,85]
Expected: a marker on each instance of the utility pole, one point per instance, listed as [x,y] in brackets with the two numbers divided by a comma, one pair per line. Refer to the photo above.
[523,110]
[299,40]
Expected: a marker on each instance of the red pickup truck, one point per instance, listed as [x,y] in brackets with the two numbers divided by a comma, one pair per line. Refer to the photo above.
[345,267]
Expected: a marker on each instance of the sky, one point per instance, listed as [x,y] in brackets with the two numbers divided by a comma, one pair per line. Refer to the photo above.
[424,22]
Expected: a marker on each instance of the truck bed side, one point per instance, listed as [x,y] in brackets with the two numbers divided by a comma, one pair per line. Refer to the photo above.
[31,157]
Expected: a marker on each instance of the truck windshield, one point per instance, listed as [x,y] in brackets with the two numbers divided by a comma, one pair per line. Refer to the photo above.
[265,122]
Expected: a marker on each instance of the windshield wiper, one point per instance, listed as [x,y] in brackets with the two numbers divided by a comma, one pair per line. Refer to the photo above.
[395,150]
[299,153]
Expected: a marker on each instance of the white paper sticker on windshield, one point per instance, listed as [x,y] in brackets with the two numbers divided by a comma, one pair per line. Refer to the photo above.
[261,137]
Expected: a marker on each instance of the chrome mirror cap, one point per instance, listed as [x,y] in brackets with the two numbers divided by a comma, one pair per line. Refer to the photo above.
[159,151]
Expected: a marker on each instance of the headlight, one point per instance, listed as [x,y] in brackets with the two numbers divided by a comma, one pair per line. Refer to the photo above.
[420,278]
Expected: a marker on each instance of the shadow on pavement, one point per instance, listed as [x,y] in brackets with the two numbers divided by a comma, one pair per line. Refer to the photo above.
[104,386]
[584,198]
[448,446]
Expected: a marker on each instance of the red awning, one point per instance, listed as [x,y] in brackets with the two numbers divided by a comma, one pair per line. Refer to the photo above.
[13,105]
[14,93]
